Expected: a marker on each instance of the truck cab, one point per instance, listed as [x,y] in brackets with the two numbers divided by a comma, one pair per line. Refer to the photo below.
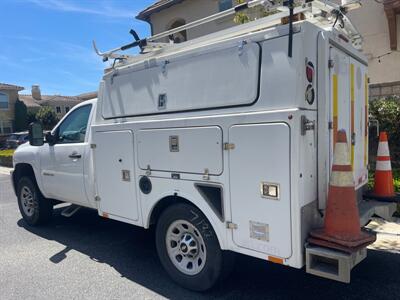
[62,164]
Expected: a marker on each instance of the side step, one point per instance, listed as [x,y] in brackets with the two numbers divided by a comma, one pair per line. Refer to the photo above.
[69,211]
[332,264]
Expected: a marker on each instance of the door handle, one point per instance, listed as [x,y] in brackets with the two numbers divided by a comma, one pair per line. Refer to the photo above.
[74,155]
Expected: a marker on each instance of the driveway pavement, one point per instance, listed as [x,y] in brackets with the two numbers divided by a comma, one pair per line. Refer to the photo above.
[88,257]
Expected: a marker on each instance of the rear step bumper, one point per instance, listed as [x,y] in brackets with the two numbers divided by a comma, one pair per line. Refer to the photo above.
[332,264]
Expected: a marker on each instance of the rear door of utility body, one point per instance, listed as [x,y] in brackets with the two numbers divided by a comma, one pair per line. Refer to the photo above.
[348,84]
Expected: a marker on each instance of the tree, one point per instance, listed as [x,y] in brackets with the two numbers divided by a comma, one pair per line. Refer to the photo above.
[31,117]
[47,117]
[251,14]
[259,11]
[21,114]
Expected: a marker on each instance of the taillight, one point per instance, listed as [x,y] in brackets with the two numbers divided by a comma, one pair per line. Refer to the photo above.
[310,92]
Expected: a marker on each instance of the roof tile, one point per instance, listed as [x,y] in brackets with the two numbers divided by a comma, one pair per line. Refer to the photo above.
[156,7]
[6,86]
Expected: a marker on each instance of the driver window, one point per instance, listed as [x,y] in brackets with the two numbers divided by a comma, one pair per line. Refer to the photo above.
[73,128]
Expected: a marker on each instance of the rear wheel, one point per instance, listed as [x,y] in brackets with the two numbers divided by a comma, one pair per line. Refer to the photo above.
[34,208]
[188,247]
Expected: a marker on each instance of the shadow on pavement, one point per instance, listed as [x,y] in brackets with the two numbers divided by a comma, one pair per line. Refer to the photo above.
[131,252]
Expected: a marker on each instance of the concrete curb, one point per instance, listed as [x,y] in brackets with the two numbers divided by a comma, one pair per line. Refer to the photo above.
[388,235]
[5,170]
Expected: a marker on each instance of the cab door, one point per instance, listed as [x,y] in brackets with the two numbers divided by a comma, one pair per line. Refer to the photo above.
[62,164]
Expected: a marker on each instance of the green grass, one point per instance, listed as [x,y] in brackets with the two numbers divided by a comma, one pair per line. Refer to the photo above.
[6,157]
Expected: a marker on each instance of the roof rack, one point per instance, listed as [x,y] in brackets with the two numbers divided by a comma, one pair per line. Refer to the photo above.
[311,9]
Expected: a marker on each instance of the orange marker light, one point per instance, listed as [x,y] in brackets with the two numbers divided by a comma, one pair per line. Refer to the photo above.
[275,260]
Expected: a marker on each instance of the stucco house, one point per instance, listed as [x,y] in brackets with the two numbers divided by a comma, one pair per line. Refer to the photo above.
[377,21]
[9,94]
[60,104]
[168,14]
[8,97]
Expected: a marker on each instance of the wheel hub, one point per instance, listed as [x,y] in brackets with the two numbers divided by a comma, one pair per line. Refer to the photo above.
[186,248]
[27,201]
[188,245]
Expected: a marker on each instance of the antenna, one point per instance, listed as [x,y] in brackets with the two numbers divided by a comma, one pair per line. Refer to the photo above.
[290,5]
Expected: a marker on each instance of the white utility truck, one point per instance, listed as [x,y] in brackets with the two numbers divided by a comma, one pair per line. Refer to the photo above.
[224,142]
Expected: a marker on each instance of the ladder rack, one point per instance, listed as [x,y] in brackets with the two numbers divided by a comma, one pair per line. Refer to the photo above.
[310,8]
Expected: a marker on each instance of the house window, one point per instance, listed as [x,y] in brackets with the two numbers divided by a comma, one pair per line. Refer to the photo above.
[225,4]
[5,127]
[3,101]
[58,109]
[66,109]
[178,37]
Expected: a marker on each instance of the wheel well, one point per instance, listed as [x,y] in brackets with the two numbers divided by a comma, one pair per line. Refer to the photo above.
[163,204]
[168,201]
[22,170]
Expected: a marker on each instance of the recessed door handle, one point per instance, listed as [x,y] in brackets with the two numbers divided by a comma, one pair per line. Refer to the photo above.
[74,155]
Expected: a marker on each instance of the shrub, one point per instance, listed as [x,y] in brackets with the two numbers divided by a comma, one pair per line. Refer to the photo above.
[47,117]
[21,116]
[387,112]
[31,117]
[251,13]
[6,158]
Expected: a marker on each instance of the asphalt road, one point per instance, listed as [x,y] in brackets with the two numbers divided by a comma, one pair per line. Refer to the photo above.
[88,257]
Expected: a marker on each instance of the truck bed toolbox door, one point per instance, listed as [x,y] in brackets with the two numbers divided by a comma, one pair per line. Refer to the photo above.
[260,187]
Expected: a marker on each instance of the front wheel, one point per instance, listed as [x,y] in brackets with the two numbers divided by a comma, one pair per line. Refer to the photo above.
[34,208]
[188,247]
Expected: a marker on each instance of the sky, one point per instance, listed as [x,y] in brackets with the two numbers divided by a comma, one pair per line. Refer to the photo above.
[49,42]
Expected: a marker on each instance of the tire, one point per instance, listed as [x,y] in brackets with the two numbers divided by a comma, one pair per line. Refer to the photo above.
[188,248]
[34,208]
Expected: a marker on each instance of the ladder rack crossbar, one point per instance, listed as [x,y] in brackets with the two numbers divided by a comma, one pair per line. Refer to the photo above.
[330,9]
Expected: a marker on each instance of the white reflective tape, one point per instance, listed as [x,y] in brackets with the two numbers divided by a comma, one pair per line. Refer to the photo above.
[383,165]
[341,155]
[383,149]
[342,178]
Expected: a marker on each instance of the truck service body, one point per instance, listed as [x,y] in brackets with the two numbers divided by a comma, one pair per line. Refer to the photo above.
[227,124]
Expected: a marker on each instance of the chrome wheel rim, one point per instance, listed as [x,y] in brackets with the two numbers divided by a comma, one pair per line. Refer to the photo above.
[27,201]
[186,248]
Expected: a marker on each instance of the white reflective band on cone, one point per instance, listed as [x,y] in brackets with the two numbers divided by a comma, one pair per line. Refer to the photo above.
[383,165]
[342,178]
[383,149]
[341,155]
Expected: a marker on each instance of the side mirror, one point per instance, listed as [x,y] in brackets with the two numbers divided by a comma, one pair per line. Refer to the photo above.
[36,134]
[51,139]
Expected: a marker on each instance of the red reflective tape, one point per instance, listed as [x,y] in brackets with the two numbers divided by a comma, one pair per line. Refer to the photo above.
[383,158]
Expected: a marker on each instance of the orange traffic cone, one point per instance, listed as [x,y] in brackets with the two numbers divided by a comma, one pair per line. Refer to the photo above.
[342,222]
[383,185]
